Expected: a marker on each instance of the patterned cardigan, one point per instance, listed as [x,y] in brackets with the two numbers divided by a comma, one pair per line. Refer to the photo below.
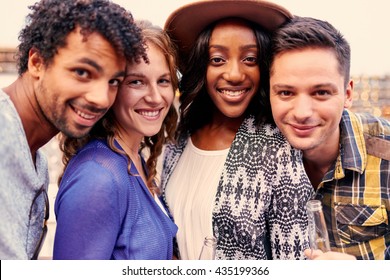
[261,197]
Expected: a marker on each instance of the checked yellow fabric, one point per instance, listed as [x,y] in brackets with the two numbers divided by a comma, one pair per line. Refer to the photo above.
[355,192]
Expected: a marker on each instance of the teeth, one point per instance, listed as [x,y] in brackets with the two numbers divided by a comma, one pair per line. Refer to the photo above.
[149,113]
[85,116]
[233,93]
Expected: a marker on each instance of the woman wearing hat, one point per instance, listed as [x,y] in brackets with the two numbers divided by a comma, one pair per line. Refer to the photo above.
[231,175]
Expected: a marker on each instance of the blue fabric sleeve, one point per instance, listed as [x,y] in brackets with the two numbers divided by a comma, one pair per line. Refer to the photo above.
[87,213]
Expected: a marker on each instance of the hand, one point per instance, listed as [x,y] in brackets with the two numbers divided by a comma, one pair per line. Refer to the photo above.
[319,255]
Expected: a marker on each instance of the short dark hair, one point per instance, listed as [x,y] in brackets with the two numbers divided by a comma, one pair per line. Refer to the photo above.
[306,32]
[52,20]
[194,98]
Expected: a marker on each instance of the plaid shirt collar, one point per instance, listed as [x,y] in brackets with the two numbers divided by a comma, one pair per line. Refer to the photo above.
[352,154]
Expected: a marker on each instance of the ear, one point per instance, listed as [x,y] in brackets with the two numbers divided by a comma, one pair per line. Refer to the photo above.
[348,95]
[35,63]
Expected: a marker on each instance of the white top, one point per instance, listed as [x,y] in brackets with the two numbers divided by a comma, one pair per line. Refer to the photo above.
[190,194]
[156,198]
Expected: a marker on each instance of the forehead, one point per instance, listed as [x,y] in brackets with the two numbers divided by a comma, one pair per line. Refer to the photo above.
[227,27]
[77,40]
[305,58]
[305,68]
[155,55]
[94,47]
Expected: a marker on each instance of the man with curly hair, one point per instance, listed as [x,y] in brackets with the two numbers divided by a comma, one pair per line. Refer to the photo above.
[71,59]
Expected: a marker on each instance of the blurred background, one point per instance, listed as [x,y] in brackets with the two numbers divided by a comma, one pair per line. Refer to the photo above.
[363,23]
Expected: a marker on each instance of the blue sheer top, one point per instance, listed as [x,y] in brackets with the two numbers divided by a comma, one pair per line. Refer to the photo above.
[103,212]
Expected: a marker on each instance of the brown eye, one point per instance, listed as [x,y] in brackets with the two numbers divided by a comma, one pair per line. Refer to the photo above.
[82,73]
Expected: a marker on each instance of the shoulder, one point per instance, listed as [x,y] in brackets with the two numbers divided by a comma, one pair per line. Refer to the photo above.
[4,98]
[374,130]
[98,151]
[374,126]
[264,132]
[173,149]
[11,124]
[95,181]
[97,166]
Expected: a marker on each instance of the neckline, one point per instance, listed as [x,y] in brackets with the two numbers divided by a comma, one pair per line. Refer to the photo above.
[206,152]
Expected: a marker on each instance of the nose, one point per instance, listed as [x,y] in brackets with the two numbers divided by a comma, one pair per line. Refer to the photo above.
[102,95]
[234,72]
[302,108]
[154,95]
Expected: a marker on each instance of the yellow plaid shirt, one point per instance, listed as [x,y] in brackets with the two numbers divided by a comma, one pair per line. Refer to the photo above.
[356,192]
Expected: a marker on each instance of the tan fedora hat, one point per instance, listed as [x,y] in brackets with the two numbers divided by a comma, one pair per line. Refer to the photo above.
[186,23]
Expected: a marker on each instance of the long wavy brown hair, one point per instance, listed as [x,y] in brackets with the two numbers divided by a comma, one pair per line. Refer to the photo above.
[106,128]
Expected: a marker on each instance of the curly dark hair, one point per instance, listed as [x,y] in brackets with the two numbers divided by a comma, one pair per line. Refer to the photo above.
[52,20]
[106,127]
[194,98]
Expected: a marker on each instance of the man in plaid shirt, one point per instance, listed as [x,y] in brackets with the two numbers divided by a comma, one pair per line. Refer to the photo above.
[346,155]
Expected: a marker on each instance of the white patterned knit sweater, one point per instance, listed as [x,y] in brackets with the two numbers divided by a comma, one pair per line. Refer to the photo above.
[260,205]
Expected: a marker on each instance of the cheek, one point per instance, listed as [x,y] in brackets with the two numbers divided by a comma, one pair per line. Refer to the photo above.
[170,97]
[210,77]
[167,94]
[112,97]
[256,78]
[278,109]
[122,101]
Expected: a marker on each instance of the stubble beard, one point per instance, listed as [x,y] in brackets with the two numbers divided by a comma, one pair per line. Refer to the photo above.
[55,116]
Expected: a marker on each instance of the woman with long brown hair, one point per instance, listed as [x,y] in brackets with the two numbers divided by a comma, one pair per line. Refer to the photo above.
[107,206]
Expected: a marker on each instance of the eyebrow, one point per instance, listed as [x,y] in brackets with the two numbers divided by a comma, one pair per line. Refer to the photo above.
[281,86]
[246,47]
[92,63]
[134,75]
[120,74]
[100,68]
[139,75]
[285,86]
[331,85]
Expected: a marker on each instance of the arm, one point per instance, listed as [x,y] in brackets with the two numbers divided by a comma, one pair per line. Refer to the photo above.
[88,219]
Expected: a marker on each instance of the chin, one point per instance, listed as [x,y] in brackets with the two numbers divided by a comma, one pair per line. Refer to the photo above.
[300,145]
[76,133]
[150,133]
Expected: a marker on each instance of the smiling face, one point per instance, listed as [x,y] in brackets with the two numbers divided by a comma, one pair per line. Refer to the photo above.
[233,74]
[145,96]
[308,97]
[75,90]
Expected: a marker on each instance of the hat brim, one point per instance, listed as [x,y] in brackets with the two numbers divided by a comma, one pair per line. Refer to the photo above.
[186,23]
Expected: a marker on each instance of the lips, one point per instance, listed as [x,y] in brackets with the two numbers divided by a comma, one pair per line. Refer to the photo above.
[232,93]
[87,117]
[150,114]
[303,130]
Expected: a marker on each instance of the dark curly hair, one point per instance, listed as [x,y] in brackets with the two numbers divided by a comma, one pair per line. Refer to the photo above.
[194,98]
[52,20]
[106,127]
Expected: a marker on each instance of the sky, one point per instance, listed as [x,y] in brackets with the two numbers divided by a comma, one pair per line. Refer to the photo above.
[364,24]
